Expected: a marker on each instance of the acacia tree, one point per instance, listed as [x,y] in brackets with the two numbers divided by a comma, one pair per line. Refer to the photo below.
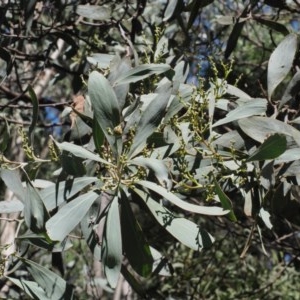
[147,156]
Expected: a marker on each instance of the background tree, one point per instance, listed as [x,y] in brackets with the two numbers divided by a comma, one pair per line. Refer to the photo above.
[109,82]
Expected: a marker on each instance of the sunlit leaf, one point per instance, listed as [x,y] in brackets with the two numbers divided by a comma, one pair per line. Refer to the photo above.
[106,109]
[279,64]
[12,180]
[31,288]
[260,128]
[265,216]
[250,108]
[118,67]
[274,146]
[54,286]
[10,206]
[65,220]
[157,166]
[94,12]
[80,151]
[54,196]
[141,72]
[187,232]
[149,121]
[205,210]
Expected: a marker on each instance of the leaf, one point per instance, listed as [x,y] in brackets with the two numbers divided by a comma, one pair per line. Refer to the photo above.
[288,156]
[54,286]
[88,227]
[72,165]
[79,151]
[185,231]
[225,201]
[259,128]
[65,220]
[10,206]
[157,166]
[141,72]
[250,108]
[101,60]
[229,20]
[98,135]
[106,109]
[291,91]
[135,245]
[31,288]
[149,121]
[54,196]
[205,210]
[272,25]
[35,212]
[194,8]
[279,64]
[112,244]
[265,216]
[274,146]
[12,180]
[118,67]
[233,90]
[171,9]
[236,32]
[95,12]
[38,240]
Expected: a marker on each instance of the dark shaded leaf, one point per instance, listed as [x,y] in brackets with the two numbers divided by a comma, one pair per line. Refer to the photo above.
[194,8]
[272,25]
[112,244]
[274,146]
[89,227]
[135,245]
[236,32]
[35,212]
[225,201]
[98,135]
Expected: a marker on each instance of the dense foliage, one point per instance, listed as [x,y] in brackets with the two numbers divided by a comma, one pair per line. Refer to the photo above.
[139,159]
